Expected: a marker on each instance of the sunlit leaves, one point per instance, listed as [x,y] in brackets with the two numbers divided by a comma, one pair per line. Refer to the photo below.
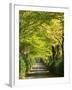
[38,31]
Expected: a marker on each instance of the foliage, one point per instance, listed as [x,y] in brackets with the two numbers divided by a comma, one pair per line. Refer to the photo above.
[22,67]
[38,33]
[57,67]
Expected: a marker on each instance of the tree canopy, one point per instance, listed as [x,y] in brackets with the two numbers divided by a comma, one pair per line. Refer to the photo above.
[38,31]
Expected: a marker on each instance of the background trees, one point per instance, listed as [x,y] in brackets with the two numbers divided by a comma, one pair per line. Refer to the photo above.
[41,35]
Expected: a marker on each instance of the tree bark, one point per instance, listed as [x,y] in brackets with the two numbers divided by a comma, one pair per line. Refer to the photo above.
[58,51]
[53,53]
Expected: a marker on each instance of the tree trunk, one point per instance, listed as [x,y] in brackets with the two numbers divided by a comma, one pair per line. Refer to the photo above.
[58,52]
[53,53]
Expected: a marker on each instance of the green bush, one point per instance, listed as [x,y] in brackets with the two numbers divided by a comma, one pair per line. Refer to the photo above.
[28,63]
[51,66]
[22,67]
[57,67]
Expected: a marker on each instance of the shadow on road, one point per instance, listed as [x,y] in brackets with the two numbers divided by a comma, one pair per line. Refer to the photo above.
[39,70]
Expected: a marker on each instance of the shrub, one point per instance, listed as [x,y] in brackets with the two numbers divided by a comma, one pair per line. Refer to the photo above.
[22,67]
[51,66]
[57,67]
